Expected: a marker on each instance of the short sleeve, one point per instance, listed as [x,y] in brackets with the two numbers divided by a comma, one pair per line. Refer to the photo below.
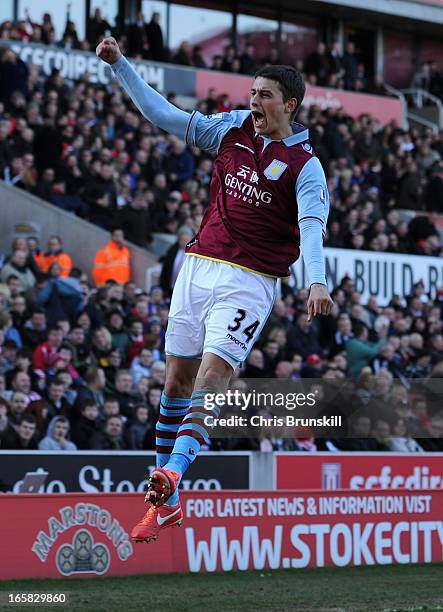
[207,131]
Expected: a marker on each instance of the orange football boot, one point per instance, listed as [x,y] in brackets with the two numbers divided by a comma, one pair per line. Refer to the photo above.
[162,484]
[155,520]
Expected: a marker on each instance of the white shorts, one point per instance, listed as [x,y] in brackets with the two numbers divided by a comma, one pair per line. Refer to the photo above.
[217,308]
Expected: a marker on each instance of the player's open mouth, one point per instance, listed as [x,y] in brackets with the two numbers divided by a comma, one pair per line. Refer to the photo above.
[259,119]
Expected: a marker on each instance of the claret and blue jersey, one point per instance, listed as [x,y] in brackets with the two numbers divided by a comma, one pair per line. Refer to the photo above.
[260,191]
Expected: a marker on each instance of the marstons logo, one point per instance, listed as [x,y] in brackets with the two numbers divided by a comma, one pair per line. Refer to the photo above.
[83,555]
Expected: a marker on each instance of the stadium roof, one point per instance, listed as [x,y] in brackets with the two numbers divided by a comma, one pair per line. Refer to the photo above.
[404,14]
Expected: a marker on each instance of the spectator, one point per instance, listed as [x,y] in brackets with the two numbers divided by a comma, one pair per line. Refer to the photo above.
[141,365]
[155,38]
[112,262]
[400,442]
[134,219]
[17,407]
[17,267]
[43,353]
[139,429]
[101,197]
[174,259]
[24,437]
[111,437]
[85,427]
[111,407]
[411,188]
[34,330]
[180,163]
[359,351]
[434,189]
[93,389]
[57,436]
[228,58]
[55,403]
[350,66]
[197,59]
[247,59]
[360,438]
[137,35]
[66,201]
[317,66]
[183,54]
[123,393]
[96,28]
[61,297]
[303,337]
[13,76]
[422,78]
[435,430]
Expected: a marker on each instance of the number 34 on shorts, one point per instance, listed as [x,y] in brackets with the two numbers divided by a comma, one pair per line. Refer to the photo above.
[248,331]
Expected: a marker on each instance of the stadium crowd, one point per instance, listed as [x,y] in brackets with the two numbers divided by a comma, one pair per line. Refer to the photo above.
[83,367]
[86,149]
[84,364]
[332,66]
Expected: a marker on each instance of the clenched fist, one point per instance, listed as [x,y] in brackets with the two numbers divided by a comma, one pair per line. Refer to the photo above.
[319,301]
[108,50]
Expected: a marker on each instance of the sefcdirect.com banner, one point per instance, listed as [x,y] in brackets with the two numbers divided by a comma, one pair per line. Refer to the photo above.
[359,471]
[377,273]
[84,535]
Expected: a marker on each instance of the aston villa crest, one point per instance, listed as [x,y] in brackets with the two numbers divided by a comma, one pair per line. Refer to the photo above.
[275,169]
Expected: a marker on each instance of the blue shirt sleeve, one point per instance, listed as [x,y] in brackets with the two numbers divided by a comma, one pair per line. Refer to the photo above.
[149,102]
[313,210]
[312,194]
[207,131]
[311,246]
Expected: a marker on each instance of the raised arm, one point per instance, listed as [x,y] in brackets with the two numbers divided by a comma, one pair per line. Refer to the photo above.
[150,103]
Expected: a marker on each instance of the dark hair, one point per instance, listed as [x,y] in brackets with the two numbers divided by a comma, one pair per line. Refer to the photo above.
[111,398]
[28,418]
[91,374]
[75,273]
[359,328]
[55,382]
[290,81]
[38,311]
[88,403]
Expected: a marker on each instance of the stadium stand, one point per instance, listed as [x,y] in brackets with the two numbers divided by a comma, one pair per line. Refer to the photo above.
[86,363]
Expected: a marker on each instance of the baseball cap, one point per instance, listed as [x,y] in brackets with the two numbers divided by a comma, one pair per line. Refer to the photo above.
[313,359]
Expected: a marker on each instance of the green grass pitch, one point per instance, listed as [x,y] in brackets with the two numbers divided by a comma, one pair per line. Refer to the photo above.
[410,588]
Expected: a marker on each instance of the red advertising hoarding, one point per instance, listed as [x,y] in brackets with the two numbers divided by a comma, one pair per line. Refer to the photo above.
[356,471]
[84,535]
[384,109]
